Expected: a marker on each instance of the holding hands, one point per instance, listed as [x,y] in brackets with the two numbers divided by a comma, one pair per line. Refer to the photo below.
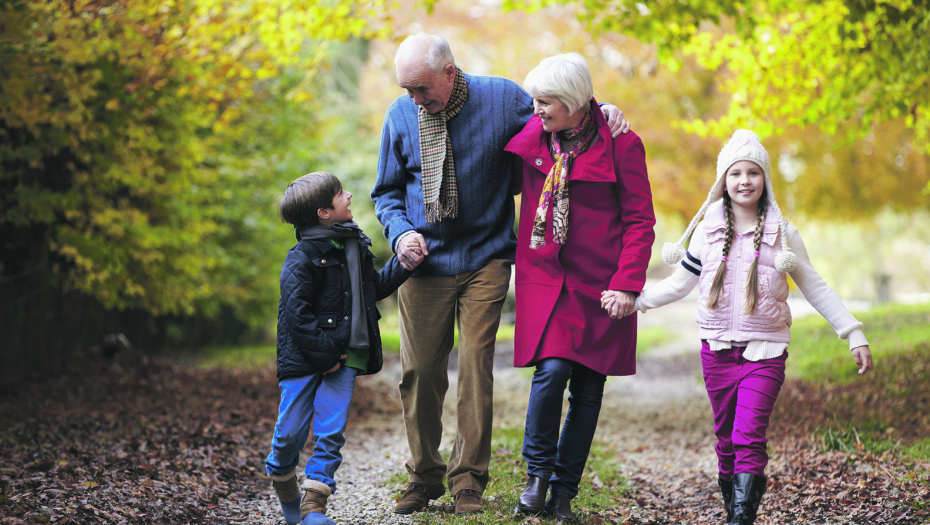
[617,303]
[411,249]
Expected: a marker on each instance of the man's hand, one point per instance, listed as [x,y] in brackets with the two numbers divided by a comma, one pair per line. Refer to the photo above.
[863,357]
[411,249]
[615,120]
[618,304]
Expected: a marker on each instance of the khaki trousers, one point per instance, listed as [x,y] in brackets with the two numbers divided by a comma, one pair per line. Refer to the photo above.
[428,308]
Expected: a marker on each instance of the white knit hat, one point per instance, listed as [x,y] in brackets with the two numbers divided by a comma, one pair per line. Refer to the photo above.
[743,145]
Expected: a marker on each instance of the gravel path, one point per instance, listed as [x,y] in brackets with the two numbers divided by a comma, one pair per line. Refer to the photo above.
[656,418]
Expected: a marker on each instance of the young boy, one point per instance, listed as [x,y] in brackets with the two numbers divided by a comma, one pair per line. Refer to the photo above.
[327,334]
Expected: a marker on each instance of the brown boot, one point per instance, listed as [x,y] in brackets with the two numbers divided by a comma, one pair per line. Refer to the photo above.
[417,497]
[468,501]
[288,492]
[315,494]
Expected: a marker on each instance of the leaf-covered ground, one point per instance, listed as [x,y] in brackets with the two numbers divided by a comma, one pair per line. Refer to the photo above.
[153,441]
[150,442]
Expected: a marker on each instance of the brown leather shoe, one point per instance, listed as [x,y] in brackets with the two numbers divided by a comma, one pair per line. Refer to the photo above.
[467,500]
[417,497]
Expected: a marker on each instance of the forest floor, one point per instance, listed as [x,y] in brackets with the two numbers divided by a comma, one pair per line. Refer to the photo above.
[138,440]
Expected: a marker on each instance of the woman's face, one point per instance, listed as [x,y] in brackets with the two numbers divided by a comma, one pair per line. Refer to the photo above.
[745,182]
[554,114]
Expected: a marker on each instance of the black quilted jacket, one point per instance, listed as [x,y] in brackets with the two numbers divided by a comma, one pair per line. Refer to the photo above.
[313,315]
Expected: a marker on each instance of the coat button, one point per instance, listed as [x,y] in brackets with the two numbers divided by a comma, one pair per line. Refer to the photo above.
[330,321]
[323,261]
[347,318]
[347,293]
[539,162]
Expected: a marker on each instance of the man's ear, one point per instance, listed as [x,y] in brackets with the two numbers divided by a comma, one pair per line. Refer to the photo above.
[449,71]
[322,213]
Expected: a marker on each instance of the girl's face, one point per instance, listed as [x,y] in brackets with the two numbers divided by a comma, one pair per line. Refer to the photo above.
[745,184]
[554,114]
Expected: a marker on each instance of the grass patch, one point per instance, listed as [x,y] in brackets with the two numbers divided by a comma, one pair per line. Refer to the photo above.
[649,337]
[818,356]
[601,486]
[849,439]
[252,357]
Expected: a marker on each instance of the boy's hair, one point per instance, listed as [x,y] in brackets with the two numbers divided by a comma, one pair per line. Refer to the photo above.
[307,194]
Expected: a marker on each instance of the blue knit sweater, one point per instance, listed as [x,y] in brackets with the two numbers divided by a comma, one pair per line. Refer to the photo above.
[495,111]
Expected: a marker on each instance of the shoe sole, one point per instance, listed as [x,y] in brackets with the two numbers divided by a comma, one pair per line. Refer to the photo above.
[405,512]
[530,510]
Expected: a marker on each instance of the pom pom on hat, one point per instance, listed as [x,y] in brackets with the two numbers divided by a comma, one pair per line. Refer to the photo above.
[786,261]
[743,145]
[672,253]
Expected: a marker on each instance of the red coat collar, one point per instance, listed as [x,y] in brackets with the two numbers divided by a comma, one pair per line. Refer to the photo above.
[596,164]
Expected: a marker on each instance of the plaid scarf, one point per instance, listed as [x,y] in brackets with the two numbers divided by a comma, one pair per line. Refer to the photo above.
[555,189]
[440,192]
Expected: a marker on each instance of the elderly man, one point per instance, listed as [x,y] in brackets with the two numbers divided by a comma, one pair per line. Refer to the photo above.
[443,192]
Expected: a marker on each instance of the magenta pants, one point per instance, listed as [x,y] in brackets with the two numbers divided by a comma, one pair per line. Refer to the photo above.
[742,394]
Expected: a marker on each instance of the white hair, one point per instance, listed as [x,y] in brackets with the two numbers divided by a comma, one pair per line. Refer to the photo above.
[437,56]
[565,77]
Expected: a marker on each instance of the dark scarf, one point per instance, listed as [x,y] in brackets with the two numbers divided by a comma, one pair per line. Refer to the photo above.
[350,232]
[437,173]
[555,189]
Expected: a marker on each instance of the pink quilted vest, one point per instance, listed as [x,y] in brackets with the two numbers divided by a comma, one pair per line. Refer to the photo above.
[771,319]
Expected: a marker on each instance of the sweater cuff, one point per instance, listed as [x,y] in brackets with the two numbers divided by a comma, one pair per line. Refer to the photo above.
[857,338]
[398,239]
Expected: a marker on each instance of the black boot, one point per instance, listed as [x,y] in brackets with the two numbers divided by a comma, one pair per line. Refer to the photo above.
[533,498]
[726,489]
[560,507]
[747,495]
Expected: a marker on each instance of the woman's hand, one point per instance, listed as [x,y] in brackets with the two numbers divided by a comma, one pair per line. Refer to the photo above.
[863,357]
[618,304]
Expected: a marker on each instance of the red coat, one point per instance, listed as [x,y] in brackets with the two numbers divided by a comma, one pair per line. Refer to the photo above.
[610,236]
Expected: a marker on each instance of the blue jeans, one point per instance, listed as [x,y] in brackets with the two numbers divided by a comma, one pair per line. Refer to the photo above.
[324,400]
[547,454]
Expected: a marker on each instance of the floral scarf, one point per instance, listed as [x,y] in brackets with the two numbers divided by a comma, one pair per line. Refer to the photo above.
[555,189]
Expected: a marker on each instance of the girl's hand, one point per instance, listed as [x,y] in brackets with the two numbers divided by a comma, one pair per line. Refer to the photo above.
[863,357]
[333,369]
[618,304]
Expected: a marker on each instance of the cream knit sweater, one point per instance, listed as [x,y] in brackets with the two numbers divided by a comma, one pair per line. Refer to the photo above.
[815,290]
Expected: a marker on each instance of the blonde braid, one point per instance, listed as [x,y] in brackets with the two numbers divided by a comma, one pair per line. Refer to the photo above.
[716,289]
[752,281]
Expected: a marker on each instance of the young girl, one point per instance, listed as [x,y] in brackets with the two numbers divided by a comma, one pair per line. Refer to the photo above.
[739,255]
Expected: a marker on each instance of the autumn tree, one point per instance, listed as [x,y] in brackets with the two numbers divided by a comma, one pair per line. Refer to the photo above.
[142,144]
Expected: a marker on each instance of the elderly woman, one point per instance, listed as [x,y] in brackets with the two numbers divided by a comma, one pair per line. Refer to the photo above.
[564,274]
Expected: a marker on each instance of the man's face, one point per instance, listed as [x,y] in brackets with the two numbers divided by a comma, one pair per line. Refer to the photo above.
[428,88]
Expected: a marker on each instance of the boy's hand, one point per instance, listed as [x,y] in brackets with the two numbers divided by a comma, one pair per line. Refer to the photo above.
[411,249]
[333,369]
[863,357]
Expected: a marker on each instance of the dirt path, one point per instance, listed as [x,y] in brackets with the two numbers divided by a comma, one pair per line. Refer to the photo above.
[659,422]
[161,442]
